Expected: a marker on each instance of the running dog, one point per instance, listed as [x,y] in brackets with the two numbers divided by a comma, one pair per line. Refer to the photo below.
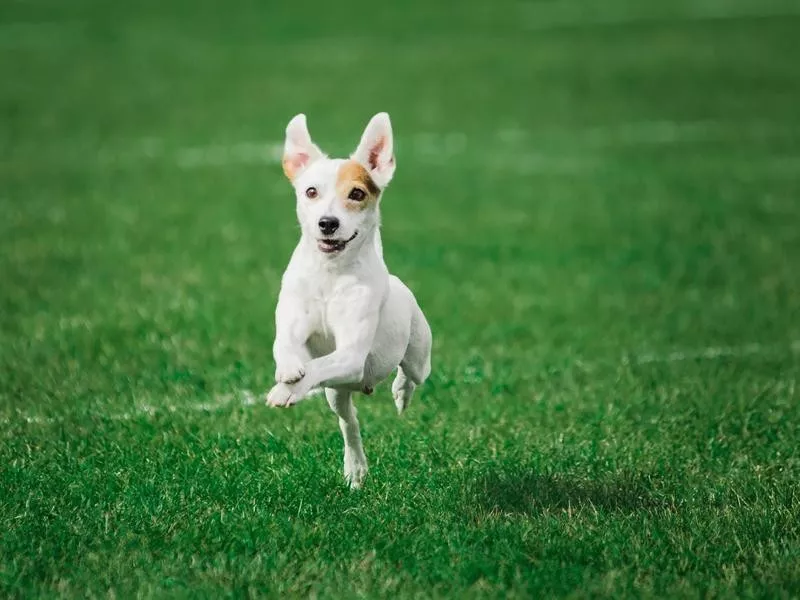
[343,323]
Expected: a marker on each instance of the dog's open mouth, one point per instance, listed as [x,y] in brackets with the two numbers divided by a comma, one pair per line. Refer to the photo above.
[329,245]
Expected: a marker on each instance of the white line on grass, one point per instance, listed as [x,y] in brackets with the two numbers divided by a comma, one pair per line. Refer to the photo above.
[548,16]
[516,143]
[716,352]
[638,133]
[229,154]
[192,157]
[513,146]
[248,398]
[245,398]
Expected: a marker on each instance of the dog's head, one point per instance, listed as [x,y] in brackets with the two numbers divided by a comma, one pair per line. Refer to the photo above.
[337,199]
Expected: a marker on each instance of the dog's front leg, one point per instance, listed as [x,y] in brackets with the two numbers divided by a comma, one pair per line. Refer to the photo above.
[291,333]
[339,368]
[344,366]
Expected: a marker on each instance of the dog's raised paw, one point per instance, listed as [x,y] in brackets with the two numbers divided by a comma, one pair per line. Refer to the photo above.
[281,395]
[402,390]
[291,371]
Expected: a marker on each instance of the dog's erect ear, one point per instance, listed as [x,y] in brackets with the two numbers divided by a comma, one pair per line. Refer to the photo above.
[298,150]
[376,149]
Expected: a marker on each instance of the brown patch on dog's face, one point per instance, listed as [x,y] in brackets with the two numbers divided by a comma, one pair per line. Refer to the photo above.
[353,181]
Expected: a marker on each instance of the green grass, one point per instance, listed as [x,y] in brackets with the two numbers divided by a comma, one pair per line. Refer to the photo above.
[581,191]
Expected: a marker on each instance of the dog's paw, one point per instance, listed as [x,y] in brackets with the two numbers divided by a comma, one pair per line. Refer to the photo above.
[290,371]
[402,391]
[281,395]
[355,470]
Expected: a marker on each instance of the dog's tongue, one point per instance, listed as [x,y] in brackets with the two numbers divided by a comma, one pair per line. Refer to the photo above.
[332,245]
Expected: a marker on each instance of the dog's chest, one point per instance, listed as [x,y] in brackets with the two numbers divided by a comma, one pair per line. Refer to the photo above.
[327,301]
[321,314]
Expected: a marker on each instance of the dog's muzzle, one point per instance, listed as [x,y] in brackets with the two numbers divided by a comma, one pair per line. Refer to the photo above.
[330,246]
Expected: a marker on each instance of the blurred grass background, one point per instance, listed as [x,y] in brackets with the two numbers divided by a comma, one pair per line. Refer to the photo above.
[595,204]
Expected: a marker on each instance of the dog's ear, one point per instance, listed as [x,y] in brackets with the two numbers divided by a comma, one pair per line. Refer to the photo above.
[298,150]
[376,149]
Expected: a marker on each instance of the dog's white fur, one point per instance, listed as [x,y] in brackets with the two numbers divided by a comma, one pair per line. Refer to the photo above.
[342,321]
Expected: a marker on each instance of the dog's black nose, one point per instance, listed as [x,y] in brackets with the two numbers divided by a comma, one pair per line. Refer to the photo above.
[328,225]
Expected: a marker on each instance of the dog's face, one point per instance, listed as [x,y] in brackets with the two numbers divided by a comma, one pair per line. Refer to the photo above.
[337,199]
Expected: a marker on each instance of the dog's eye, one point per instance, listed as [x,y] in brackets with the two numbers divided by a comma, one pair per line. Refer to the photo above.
[312,193]
[357,194]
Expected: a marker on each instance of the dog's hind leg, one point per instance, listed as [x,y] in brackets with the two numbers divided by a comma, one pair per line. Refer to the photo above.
[402,390]
[416,364]
[355,462]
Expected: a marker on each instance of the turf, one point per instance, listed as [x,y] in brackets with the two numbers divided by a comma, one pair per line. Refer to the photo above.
[596,205]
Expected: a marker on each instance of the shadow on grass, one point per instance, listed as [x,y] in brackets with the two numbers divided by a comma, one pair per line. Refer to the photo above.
[533,493]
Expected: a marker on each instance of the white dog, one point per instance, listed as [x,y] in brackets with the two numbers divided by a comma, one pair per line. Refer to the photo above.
[342,321]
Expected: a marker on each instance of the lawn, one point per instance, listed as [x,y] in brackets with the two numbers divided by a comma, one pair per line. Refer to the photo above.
[597,206]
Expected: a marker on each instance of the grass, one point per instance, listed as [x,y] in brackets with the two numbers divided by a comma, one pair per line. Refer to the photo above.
[596,207]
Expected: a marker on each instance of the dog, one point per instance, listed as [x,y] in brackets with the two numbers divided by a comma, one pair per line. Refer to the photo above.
[342,322]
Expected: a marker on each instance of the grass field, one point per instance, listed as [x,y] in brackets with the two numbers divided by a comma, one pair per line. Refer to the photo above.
[597,205]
